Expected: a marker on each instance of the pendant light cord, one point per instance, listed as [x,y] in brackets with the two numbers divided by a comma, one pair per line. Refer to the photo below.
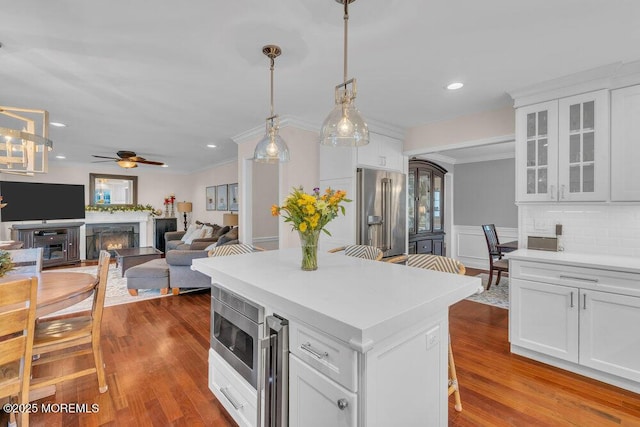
[346,25]
[272,67]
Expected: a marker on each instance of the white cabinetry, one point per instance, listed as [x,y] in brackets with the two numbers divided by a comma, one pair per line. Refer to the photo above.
[381,152]
[315,400]
[562,149]
[577,318]
[625,149]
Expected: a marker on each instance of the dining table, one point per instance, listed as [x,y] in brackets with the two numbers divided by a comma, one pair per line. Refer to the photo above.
[508,246]
[57,290]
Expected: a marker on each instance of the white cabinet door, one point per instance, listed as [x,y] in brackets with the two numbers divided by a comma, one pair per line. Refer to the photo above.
[317,401]
[536,152]
[583,147]
[382,152]
[609,338]
[625,144]
[544,318]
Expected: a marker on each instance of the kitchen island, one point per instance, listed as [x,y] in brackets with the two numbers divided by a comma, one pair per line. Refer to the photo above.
[368,339]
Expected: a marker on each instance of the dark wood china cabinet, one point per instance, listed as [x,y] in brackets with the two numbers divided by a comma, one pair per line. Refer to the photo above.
[426,207]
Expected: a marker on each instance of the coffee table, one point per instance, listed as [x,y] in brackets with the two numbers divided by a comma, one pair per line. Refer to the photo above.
[135,256]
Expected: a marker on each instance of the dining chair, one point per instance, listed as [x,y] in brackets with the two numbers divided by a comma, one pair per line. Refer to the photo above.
[496,263]
[17,319]
[360,251]
[446,265]
[65,334]
[26,261]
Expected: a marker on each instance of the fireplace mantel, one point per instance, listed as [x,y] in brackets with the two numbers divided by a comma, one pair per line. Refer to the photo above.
[143,219]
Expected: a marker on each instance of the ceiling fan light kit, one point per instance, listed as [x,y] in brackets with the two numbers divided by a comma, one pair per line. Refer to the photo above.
[23,152]
[128,160]
[271,148]
[344,126]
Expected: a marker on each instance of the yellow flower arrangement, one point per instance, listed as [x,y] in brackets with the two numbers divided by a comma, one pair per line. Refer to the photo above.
[309,214]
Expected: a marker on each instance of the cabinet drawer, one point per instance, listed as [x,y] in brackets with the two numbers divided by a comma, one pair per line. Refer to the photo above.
[323,353]
[582,277]
[424,246]
[235,394]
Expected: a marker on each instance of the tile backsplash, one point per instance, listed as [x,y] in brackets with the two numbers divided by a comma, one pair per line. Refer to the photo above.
[603,229]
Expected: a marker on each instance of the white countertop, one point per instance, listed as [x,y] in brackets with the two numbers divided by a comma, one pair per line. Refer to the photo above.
[606,262]
[357,301]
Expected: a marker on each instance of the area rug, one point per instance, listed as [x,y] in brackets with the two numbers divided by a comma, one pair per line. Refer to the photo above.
[117,292]
[497,296]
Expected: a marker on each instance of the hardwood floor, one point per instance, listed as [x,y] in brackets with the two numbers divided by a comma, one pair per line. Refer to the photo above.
[156,361]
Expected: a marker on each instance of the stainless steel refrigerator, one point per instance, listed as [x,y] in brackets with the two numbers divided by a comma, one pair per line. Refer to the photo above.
[381,210]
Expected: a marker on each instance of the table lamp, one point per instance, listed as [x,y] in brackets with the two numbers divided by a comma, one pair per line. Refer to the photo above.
[184,208]
[230,219]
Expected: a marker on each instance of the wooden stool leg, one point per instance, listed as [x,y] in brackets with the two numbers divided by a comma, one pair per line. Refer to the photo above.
[97,359]
[133,292]
[498,278]
[176,291]
[453,382]
[490,277]
[164,291]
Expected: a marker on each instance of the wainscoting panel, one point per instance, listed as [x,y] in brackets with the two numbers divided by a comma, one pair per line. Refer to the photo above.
[471,246]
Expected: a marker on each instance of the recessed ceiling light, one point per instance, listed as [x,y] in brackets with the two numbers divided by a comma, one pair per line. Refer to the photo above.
[61,156]
[58,124]
[455,85]
[211,145]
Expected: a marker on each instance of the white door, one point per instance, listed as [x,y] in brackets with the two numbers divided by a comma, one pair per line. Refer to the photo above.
[317,401]
[537,152]
[544,318]
[583,147]
[609,338]
[625,149]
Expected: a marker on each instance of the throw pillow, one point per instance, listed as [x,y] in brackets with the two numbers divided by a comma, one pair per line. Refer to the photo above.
[221,231]
[190,230]
[231,235]
[197,234]
[211,246]
[208,231]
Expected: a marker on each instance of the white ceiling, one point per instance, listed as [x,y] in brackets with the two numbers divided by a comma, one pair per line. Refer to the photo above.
[165,78]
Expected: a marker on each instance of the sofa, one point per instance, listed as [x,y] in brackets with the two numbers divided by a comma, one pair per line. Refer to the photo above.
[179,262]
[175,239]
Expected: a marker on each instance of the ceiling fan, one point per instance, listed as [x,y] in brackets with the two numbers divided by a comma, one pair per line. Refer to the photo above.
[128,160]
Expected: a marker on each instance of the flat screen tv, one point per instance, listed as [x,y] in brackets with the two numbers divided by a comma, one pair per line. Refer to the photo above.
[28,201]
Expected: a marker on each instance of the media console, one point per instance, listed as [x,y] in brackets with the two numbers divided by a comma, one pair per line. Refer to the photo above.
[60,242]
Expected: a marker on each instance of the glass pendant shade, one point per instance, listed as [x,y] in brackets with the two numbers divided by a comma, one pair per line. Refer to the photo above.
[271,148]
[23,152]
[344,126]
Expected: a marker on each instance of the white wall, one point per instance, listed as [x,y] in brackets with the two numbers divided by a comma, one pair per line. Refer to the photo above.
[484,126]
[198,182]
[302,169]
[264,195]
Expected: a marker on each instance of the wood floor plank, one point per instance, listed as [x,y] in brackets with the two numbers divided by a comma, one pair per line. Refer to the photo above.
[156,355]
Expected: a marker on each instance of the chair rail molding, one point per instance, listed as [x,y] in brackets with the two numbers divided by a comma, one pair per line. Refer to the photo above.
[471,246]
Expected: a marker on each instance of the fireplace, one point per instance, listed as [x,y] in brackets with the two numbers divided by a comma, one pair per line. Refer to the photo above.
[111,237]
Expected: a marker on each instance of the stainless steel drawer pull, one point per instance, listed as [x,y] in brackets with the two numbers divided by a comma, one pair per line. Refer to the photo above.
[307,347]
[571,300]
[342,404]
[231,400]
[584,279]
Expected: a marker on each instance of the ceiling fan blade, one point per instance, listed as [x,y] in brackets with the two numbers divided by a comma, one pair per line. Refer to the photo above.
[105,157]
[148,162]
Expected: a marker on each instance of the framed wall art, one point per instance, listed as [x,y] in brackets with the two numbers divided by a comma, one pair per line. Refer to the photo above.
[233,197]
[210,196]
[221,197]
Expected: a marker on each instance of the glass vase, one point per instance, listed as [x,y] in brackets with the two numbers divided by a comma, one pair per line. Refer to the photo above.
[166,211]
[309,244]
[172,214]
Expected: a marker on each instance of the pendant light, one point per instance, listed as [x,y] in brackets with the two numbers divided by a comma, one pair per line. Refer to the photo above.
[344,126]
[23,152]
[271,148]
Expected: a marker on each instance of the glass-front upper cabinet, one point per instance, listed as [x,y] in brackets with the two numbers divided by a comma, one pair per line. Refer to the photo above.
[562,149]
[536,151]
[583,158]
[426,207]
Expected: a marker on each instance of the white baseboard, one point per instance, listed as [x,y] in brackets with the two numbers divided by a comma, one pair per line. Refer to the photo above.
[471,245]
[267,242]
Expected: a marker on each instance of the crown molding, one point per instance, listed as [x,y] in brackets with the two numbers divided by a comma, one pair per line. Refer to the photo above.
[610,76]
